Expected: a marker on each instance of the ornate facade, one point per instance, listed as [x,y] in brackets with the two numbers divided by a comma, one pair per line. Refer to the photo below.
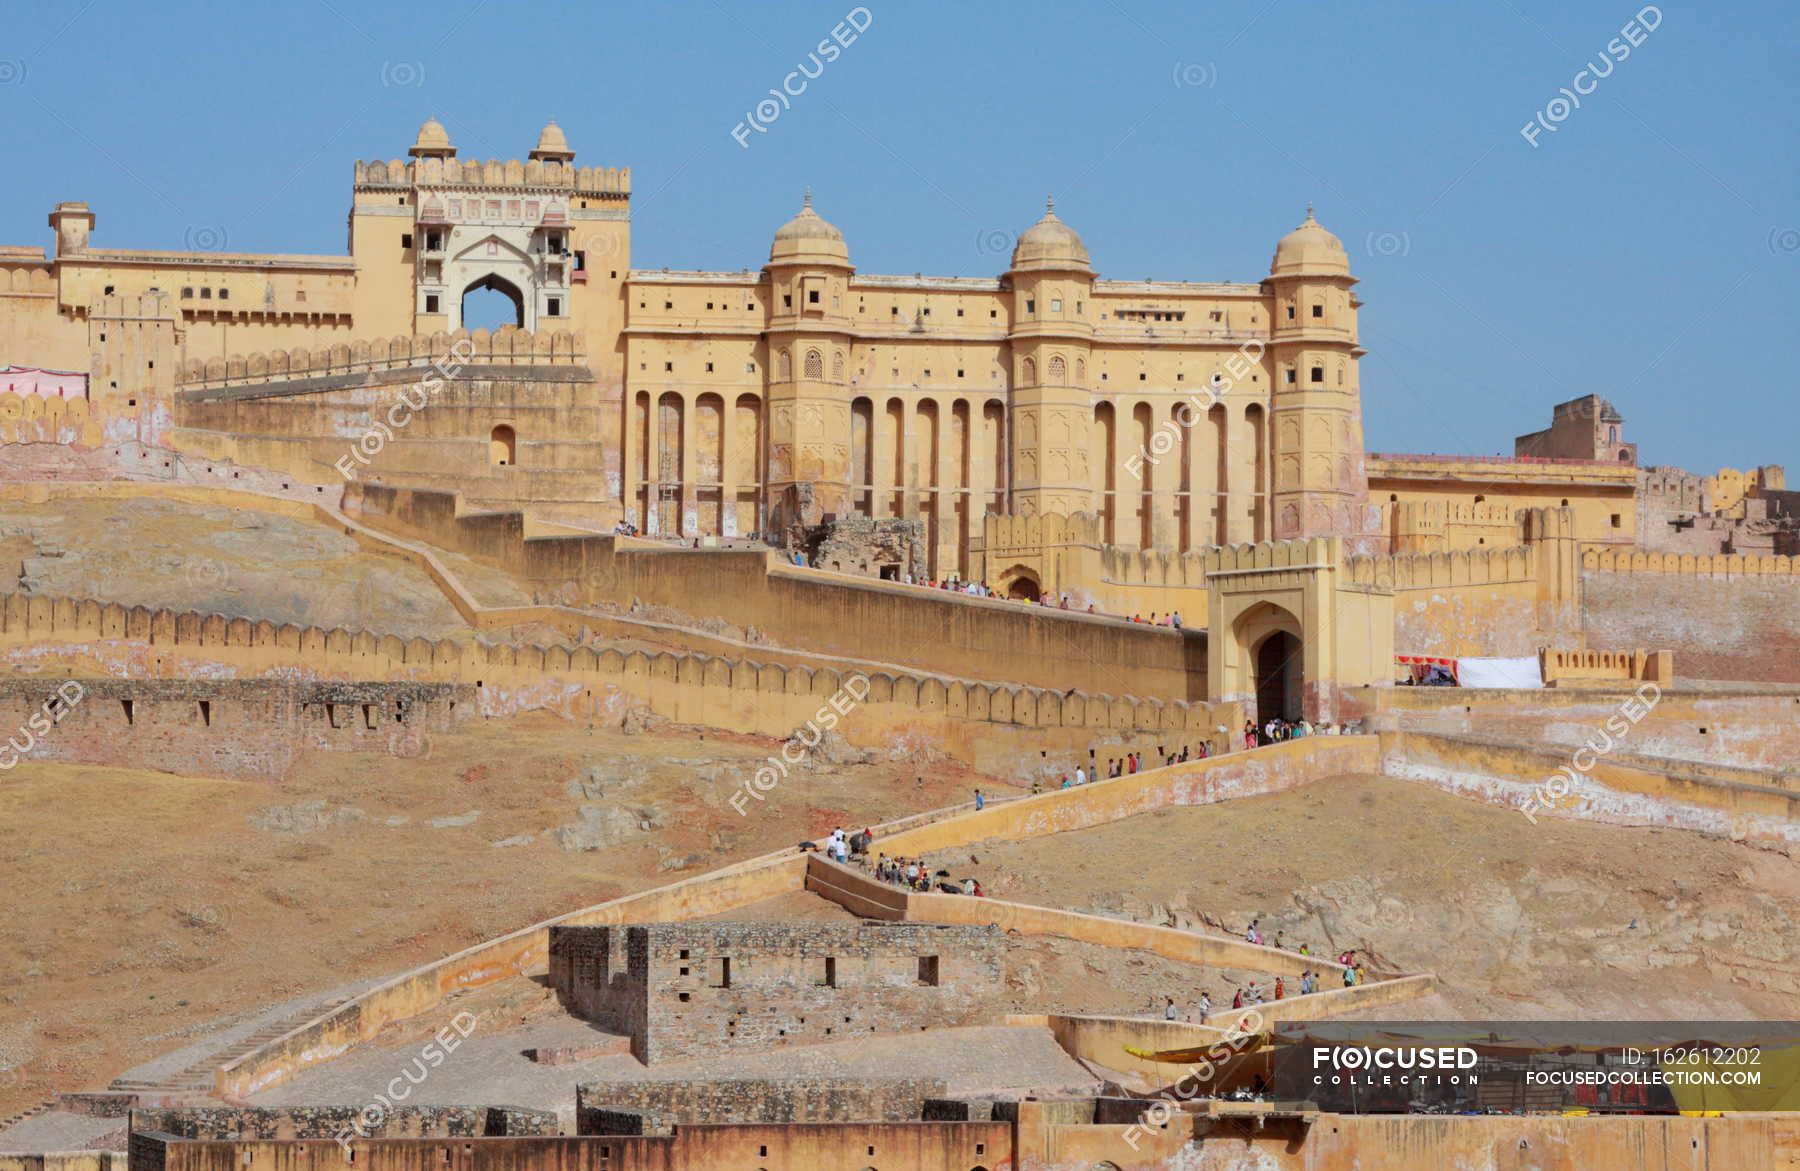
[1182,414]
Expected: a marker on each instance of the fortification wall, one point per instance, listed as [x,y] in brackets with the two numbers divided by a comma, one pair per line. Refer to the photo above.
[740,1100]
[252,730]
[421,411]
[35,418]
[1691,730]
[1470,602]
[1616,789]
[990,726]
[1725,616]
[813,610]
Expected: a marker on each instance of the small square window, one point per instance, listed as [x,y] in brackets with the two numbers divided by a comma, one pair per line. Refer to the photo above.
[406,239]
[1181,378]
[668,367]
[1290,310]
[787,300]
[668,304]
[959,373]
[894,312]
[206,294]
[1615,520]
[927,372]
[555,307]
[431,302]
[812,296]
[109,290]
[993,312]
[1031,306]
[1290,377]
[709,368]
[925,312]
[709,304]
[1056,304]
[1142,376]
[959,312]
[1318,374]
[749,367]
[1318,310]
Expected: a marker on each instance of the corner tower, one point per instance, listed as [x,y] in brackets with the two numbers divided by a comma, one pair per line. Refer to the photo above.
[1320,484]
[1050,338]
[808,340]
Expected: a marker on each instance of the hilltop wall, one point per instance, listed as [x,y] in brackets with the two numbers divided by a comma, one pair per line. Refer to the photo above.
[1002,727]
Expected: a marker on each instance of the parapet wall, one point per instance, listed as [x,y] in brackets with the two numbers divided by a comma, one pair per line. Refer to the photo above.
[983,724]
[493,173]
[929,630]
[35,418]
[507,346]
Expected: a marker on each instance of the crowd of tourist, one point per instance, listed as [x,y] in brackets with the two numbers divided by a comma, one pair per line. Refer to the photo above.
[1275,730]
[1253,993]
[916,874]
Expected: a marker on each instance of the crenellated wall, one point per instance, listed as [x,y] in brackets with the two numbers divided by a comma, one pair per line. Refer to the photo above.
[492,173]
[998,726]
[32,418]
[506,417]
[507,346]
[806,609]
[1725,616]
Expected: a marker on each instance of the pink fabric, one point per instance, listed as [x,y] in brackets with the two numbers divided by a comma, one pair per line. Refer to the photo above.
[49,383]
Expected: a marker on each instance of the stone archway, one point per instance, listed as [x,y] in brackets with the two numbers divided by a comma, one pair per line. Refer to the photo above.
[1270,653]
[1021,583]
[498,284]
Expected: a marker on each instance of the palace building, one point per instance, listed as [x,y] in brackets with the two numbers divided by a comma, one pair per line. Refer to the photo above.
[720,403]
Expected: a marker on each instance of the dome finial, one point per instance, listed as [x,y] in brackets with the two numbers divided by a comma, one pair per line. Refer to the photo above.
[1309,214]
[806,200]
[1049,205]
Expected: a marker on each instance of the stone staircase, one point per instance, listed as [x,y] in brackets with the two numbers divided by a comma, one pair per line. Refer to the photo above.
[196,1080]
[29,1112]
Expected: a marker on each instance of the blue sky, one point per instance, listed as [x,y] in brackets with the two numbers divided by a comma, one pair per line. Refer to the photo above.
[1647,248]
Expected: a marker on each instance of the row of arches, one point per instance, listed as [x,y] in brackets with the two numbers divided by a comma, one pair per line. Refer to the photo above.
[1158,474]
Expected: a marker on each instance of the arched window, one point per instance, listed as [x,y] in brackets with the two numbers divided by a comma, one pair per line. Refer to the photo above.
[1028,372]
[815,364]
[1059,370]
[503,447]
[784,366]
[837,366]
[1081,371]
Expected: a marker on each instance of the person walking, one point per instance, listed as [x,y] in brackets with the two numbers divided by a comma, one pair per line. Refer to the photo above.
[980,801]
[1169,1008]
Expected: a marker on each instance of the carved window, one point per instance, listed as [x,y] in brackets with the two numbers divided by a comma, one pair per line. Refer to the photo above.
[1059,370]
[815,364]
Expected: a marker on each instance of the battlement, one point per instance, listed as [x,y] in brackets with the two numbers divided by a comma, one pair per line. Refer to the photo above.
[432,172]
[1692,564]
[1418,571]
[508,346]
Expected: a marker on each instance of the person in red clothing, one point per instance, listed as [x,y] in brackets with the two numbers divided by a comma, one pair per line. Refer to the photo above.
[1237,999]
[1279,987]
